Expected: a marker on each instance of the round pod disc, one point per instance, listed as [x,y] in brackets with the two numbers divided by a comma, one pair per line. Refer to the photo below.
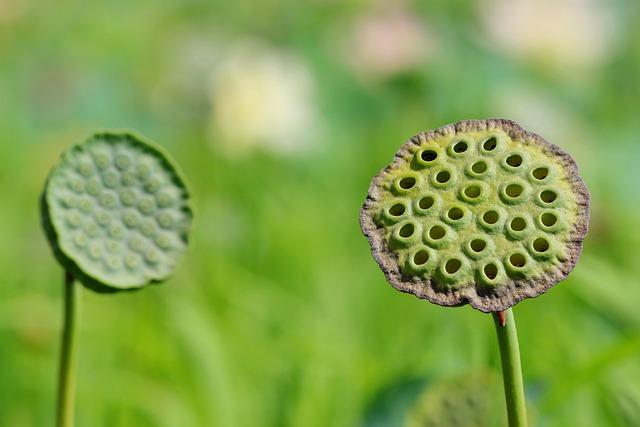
[479,212]
[116,212]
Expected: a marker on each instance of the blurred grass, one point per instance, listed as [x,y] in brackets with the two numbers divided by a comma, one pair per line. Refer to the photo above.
[279,315]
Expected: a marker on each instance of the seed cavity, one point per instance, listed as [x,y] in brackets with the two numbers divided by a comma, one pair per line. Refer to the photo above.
[429,155]
[490,144]
[540,173]
[491,271]
[452,266]
[407,183]
[406,230]
[437,232]
[421,257]
[514,160]
[443,177]
[517,260]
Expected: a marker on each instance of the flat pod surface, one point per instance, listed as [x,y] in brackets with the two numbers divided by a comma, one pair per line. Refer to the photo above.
[479,212]
[117,212]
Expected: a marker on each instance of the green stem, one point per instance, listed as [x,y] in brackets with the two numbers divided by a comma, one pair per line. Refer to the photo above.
[66,380]
[511,368]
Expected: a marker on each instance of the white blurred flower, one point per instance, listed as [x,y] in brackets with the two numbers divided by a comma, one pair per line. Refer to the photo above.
[261,98]
[386,41]
[558,33]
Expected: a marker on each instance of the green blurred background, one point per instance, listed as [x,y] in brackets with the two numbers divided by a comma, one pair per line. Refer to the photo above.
[280,112]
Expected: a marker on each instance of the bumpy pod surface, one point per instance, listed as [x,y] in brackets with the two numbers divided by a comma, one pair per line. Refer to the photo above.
[116,212]
[479,212]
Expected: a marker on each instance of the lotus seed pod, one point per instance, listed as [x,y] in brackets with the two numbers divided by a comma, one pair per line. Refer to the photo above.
[479,212]
[116,212]
[472,401]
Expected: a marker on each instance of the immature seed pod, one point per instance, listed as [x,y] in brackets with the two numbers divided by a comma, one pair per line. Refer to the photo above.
[116,212]
[468,401]
[479,212]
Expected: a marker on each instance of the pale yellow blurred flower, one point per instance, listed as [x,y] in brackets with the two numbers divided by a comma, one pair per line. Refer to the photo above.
[261,99]
[387,40]
[566,33]
[11,10]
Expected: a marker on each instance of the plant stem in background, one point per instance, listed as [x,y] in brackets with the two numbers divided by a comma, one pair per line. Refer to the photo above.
[511,369]
[66,380]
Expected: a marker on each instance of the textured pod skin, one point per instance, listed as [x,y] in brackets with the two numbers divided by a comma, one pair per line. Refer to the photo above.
[117,212]
[479,212]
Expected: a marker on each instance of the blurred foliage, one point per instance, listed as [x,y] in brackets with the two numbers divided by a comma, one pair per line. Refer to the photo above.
[279,316]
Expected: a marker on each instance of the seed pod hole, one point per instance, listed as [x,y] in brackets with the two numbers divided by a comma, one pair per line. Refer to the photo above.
[548,196]
[514,190]
[426,202]
[478,245]
[429,155]
[518,224]
[443,177]
[491,217]
[548,219]
[406,230]
[421,257]
[491,271]
[452,265]
[437,232]
[479,167]
[517,260]
[514,160]
[473,191]
[397,210]
[407,183]
[540,173]
[490,144]
[455,214]
[460,147]
[541,245]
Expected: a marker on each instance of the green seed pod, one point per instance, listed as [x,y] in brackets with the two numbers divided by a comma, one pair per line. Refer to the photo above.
[479,212]
[471,401]
[116,212]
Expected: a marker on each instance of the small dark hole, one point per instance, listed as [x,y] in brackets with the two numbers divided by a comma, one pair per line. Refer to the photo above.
[549,219]
[479,167]
[514,160]
[426,202]
[443,176]
[436,232]
[455,214]
[540,245]
[407,230]
[518,224]
[513,190]
[407,183]
[490,217]
[548,196]
[540,173]
[517,260]
[421,257]
[472,192]
[452,266]
[478,245]
[460,147]
[491,271]
[397,209]
[429,155]
[490,144]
